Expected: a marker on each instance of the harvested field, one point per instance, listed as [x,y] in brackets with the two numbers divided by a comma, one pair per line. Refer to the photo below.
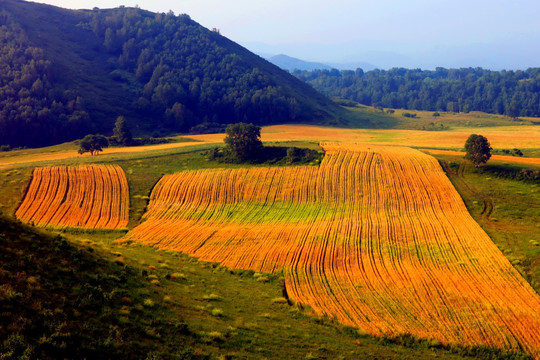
[376,237]
[92,197]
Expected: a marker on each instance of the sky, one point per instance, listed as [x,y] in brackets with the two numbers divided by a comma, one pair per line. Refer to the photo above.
[494,34]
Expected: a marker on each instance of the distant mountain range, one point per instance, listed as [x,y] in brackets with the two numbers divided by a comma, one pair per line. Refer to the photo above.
[504,54]
[291,64]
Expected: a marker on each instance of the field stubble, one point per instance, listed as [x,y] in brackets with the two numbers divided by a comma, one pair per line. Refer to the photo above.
[376,237]
[95,196]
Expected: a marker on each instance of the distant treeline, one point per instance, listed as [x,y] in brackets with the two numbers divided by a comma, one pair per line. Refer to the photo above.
[514,93]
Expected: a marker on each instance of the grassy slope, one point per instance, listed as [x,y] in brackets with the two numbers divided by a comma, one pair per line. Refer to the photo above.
[425,120]
[61,300]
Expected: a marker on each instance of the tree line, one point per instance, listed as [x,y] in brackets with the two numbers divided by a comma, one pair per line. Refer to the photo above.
[512,93]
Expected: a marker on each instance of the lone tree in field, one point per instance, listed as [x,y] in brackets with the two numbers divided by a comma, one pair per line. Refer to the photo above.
[478,150]
[121,131]
[93,144]
[243,141]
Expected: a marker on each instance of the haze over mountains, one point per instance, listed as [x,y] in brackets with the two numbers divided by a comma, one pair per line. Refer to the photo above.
[506,54]
[291,64]
[424,34]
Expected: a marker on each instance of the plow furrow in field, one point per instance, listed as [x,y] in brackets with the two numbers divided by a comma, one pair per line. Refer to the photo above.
[376,237]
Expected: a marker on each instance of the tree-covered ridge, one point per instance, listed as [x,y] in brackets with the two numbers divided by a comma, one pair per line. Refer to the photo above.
[164,73]
[514,93]
[33,108]
[187,73]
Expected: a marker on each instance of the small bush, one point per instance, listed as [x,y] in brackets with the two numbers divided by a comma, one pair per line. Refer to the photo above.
[217,312]
[179,276]
[149,303]
[409,115]
[212,297]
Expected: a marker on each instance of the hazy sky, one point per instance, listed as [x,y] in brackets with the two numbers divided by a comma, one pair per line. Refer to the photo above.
[413,33]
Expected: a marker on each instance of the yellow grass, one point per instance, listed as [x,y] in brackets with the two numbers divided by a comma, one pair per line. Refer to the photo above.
[17,159]
[502,137]
[376,236]
[95,196]
[517,159]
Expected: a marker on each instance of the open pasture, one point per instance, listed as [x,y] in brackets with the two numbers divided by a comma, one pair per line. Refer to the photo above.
[376,237]
[93,197]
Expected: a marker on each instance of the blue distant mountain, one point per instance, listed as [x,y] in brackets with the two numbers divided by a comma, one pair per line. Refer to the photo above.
[290,64]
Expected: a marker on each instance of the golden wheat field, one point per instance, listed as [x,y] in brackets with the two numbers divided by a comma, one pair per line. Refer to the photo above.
[376,237]
[94,196]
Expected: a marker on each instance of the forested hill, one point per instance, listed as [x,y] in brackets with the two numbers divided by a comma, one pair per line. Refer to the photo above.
[514,93]
[66,73]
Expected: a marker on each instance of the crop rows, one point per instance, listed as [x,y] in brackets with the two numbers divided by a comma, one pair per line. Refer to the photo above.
[376,237]
[94,196]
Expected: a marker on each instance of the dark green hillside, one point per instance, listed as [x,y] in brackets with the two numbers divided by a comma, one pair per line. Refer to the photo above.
[66,73]
[60,301]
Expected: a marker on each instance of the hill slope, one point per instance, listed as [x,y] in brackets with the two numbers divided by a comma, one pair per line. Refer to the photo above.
[67,73]
[60,301]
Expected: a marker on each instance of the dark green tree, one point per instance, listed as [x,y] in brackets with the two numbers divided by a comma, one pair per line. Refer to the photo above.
[243,141]
[121,131]
[512,110]
[478,150]
[93,144]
